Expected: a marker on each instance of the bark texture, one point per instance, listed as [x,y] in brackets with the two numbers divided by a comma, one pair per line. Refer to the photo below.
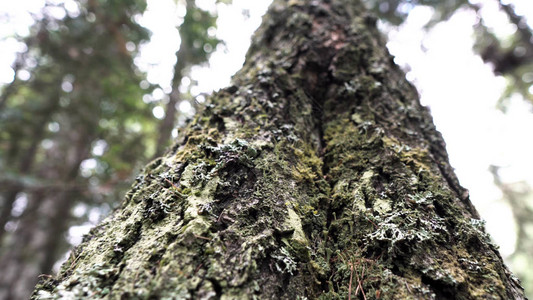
[317,174]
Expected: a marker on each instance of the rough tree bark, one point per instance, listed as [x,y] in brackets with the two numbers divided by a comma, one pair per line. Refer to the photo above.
[317,174]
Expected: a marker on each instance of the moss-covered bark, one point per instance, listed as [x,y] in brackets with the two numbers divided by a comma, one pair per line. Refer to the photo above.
[317,174]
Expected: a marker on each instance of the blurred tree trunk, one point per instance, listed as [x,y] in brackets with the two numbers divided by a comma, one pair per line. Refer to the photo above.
[316,174]
[168,122]
[25,161]
[58,214]
[39,238]
[518,194]
[20,259]
[20,256]
[194,36]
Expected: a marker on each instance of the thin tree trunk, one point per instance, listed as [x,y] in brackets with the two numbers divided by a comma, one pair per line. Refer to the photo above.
[25,163]
[318,174]
[168,122]
[12,86]
[59,216]
[19,259]
[39,238]
[9,197]
[12,190]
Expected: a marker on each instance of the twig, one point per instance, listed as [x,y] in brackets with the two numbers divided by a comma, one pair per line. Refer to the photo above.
[176,189]
[407,286]
[350,285]
[202,237]
[172,183]
[197,268]
[360,285]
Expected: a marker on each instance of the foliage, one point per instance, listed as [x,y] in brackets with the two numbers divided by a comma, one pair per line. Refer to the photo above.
[73,127]
[83,91]
[510,55]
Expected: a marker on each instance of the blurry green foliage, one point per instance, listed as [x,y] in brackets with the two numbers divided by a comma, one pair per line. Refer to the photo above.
[396,11]
[75,87]
[510,56]
[194,32]
[82,79]
[74,129]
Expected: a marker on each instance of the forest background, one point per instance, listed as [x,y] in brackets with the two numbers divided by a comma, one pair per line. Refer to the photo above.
[90,91]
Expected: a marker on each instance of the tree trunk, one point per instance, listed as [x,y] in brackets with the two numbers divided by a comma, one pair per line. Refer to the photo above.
[21,258]
[26,161]
[38,242]
[167,124]
[318,174]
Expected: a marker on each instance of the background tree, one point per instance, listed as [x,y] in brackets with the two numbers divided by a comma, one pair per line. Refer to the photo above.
[316,174]
[195,47]
[82,94]
[73,127]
